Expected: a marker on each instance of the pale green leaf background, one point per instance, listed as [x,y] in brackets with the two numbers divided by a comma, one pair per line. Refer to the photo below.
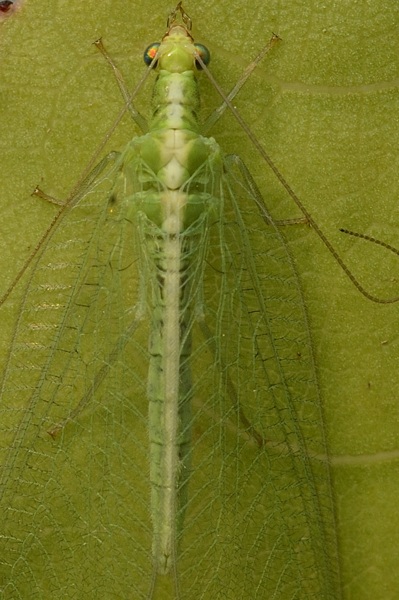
[325,105]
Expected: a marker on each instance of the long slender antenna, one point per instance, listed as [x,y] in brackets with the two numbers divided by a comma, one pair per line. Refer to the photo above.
[290,191]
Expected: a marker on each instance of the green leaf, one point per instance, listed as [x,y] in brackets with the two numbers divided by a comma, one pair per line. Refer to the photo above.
[324,105]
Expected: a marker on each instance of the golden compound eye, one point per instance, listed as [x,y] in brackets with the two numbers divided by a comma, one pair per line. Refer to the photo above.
[150,53]
[204,54]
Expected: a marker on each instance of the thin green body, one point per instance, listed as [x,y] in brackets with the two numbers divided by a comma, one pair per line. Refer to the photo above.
[169,162]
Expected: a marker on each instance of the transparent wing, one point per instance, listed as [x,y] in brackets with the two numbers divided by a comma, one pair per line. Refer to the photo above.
[260,516]
[75,491]
[67,492]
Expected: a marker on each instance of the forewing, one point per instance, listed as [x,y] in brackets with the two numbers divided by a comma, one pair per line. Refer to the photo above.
[260,519]
[74,491]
